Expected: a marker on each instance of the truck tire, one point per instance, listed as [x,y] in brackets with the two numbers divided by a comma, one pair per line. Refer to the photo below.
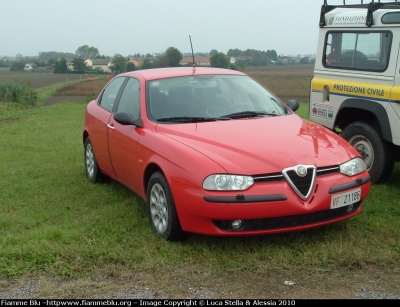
[376,151]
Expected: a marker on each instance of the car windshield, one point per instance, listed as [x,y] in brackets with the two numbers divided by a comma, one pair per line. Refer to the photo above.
[208,98]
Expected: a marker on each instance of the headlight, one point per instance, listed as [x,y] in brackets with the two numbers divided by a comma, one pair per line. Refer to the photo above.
[353,167]
[227,182]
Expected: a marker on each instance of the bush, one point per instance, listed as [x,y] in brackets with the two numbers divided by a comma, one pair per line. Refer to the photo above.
[18,93]
[90,97]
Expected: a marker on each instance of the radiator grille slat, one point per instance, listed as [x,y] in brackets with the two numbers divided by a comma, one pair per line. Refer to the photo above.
[301,178]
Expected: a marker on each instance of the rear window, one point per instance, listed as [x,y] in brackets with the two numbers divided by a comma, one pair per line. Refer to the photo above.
[358,50]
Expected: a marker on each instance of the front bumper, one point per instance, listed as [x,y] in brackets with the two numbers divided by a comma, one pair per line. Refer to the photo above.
[269,207]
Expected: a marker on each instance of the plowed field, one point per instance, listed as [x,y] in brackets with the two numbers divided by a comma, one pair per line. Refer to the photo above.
[39,79]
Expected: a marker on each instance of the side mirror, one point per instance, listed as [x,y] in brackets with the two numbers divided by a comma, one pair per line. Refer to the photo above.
[293,104]
[124,118]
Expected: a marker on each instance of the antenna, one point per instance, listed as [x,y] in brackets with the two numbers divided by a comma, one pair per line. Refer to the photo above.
[194,63]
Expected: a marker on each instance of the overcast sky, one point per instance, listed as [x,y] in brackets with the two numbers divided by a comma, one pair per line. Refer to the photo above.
[289,27]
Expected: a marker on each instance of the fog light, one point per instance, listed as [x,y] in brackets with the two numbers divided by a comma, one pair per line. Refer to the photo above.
[350,208]
[236,224]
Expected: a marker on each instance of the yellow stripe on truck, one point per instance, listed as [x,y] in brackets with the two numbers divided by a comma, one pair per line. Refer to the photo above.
[396,93]
[359,89]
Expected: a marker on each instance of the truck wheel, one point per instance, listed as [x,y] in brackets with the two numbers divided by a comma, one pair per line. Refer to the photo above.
[377,152]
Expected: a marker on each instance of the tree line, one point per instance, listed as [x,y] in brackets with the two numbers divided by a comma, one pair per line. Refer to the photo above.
[170,58]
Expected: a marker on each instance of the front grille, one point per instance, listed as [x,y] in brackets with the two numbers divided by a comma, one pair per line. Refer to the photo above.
[301,183]
[272,177]
[302,186]
[301,178]
[322,171]
[277,177]
[290,221]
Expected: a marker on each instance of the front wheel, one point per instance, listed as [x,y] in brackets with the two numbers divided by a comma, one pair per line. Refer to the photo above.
[377,152]
[161,210]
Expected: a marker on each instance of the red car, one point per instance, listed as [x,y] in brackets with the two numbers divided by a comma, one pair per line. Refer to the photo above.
[211,151]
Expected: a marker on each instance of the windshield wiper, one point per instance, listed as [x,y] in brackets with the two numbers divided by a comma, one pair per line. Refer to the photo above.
[187,119]
[245,114]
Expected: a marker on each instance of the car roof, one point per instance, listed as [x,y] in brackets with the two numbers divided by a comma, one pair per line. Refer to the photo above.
[159,73]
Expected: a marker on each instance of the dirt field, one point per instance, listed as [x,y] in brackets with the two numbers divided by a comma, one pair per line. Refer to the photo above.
[287,82]
[38,79]
[83,88]
[77,92]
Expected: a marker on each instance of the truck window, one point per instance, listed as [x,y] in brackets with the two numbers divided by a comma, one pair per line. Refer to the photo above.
[366,51]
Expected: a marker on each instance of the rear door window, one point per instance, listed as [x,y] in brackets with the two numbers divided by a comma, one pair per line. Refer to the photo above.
[110,93]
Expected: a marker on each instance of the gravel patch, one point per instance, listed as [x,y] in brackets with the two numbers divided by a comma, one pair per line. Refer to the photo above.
[36,288]
[365,294]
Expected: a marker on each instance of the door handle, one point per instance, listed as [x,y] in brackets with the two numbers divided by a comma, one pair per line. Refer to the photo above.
[110,126]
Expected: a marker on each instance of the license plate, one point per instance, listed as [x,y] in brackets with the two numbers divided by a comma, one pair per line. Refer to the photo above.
[345,199]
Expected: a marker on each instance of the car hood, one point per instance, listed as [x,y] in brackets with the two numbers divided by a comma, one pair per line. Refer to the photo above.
[262,145]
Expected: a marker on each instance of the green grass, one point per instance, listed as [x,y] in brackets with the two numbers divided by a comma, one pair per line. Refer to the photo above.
[302,111]
[53,221]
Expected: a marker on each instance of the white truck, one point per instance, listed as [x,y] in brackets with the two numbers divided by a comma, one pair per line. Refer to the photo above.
[356,86]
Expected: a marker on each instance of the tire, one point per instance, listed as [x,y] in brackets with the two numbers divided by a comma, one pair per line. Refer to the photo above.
[377,152]
[92,168]
[161,210]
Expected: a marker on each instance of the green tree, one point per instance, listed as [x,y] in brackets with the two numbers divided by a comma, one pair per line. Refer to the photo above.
[79,64]
[173,57]
[118,64]
[61,66]
[234,52]
[4,63]
[272,55]
[212,52]
[45,56]
[130,66]
[146,64]
[86,52]
[219,60]
[239,65]
[38,63]
[51,62]
[260,59]
[17,66]
[305,60]
[160,61]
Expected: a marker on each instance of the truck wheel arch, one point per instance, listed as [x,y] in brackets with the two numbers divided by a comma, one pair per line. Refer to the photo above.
[366,107]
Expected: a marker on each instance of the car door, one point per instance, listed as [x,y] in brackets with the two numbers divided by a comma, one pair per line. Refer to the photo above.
[123,139]
[99,131]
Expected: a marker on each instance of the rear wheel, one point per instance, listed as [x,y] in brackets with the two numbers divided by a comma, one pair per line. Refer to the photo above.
[92,168]
[161,210]
[377,152]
